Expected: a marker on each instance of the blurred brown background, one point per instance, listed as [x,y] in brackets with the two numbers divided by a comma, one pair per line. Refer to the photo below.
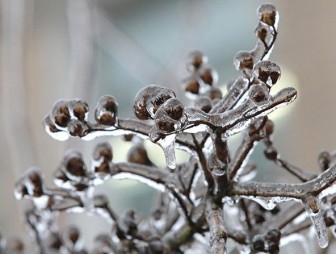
[79,48]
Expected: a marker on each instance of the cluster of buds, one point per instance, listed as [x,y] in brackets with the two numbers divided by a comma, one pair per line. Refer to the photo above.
[210,202]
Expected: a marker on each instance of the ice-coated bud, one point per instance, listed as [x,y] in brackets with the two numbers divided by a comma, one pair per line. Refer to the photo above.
[77,128]
[192,85]
[128,137]
[267,71]
[30,184]
[268,14]
[259,94]
[106,110]
[79,108]
[244,61]
[274,235]
[60,114]
[209,76]
[103,151]
[73,234]
[203,103]
[104,244]
[54,241]
[100,201]
[168,116]
[195,60]
[129,222]
[324,160]
[214,93]
[138,154]
[269,127]
[48,123]
[258,243]
[74,165]
[271,153]
[262,32]
[174,108]
[156,246]
[14,246]
[149,99]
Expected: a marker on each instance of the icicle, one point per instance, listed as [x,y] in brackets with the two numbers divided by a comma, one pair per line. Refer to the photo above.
[168,146]
[312,206]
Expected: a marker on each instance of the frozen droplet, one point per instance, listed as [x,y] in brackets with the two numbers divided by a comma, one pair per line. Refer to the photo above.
[268,14]
[312,206]
[168,146]
[267,71]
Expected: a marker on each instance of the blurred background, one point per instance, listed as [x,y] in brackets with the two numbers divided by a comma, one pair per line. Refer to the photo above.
[52,50]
